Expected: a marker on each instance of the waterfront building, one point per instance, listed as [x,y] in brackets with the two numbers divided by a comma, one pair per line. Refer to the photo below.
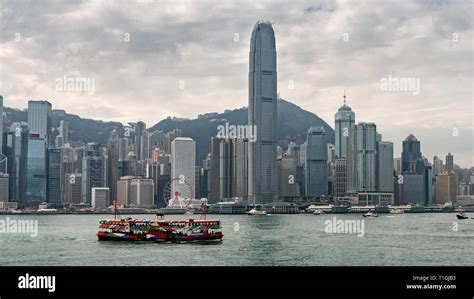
[369,166]
[100,197]
[183,163]
[262,114]
[288,189]
[142,192]
[228,169]
[412,189]
[54,177]
[416,185]
[446,187]
[17,154]
[1,126]
[72,188]
[361,158]
[36,172]
[316,163]
[221,169]
[385,172]
[124,190]
[94,170]
[340,177]
[4,187]
[112,163]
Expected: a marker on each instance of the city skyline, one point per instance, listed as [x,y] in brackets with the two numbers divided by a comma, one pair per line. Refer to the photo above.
[138,62]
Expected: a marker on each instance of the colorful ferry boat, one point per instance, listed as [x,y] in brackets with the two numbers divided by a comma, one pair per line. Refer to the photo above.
[160,230]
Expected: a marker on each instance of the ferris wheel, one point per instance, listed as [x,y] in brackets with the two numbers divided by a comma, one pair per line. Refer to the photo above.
[178,193]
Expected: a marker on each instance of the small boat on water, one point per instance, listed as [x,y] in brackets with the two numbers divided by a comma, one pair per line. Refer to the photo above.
[318,212]
[461,214]
[370,214]
[255,212]
[396,211]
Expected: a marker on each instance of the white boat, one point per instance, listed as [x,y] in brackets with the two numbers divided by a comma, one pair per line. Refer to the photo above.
[396,211]
[318,212]
[370,214]
[254,212]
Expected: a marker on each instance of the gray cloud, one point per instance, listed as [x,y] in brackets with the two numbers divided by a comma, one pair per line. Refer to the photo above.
[193,41]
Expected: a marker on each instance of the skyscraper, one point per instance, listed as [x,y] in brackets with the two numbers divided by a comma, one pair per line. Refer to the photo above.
[288,189]
[112,163]
[4,188]
[229,172]
[361,158]
[449,162]
[54,177]
[262,113]
[437,165]
[446,187]
[1,126]
[17,153]
[36,172]
[94,170]
[222,169]
[123,148]
[140,128]
[183,163]
[345,119]
[411,152]
[340,178]
[39,119]
[316,163]
[142,192]
[385,172]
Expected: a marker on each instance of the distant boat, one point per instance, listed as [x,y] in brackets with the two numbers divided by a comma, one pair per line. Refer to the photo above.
[461,214]
[318,212]
[396,211]
[254,212]
[370,214]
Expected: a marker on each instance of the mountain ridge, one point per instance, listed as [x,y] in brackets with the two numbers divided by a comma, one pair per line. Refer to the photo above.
[293,125]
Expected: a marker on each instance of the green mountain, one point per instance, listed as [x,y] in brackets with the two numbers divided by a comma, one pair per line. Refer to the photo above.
[293,124]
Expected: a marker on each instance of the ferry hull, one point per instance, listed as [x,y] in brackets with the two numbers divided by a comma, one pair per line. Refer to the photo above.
[159,230]
[104,236]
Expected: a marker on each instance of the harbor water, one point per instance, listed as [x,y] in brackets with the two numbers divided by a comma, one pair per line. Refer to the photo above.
[429,239]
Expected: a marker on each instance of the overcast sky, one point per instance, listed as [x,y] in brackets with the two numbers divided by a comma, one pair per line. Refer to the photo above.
[151,59]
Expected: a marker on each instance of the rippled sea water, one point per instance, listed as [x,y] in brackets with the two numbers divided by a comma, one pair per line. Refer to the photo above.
[282,240]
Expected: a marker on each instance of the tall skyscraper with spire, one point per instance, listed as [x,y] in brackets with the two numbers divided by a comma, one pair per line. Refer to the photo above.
[345,119]
[262,113]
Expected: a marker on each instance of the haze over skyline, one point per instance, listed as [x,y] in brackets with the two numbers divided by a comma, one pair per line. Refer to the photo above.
[152,59]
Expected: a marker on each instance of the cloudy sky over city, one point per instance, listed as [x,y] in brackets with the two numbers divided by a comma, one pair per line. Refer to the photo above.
[151,59]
